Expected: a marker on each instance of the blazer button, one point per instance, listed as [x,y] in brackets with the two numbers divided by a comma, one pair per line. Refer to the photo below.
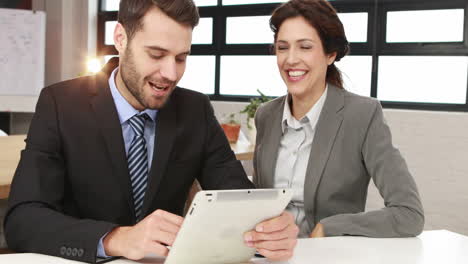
[80,252]
[69,251]
[63,251]
[74,252]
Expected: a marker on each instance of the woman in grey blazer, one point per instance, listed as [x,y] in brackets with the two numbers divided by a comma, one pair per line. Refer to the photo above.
[327,143]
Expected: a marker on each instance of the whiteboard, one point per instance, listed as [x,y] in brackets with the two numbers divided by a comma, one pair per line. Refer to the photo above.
[22,58]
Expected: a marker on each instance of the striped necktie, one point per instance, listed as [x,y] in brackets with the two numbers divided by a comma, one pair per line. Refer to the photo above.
[138,162]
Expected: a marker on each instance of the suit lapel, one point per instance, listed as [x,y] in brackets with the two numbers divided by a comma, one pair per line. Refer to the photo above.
[270,150]
[108,121]
[326,130]
[166,126]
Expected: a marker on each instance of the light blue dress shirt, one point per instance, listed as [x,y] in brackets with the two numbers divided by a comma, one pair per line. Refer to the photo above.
[125,112]
[293,157]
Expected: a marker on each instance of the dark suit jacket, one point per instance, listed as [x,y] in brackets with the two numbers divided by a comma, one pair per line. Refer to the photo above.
[352,144]
[72,184]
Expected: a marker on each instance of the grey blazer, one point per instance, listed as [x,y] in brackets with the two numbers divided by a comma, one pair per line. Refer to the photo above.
[352,144]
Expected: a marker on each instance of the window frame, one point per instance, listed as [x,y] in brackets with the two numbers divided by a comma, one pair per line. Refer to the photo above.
[375,46]
[419,49]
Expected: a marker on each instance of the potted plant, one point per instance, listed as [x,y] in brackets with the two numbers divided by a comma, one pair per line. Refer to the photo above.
[231,127]
[250,110]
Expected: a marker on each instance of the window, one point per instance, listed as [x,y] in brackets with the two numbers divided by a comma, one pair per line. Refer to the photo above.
[250,29]
[357,74]
[422,62]
[110,5]
[110,26]
[199,66]
[408,54]
[251,73]
[206,2]
[425,26]
[203,33]
[423,79]
[355,25]
[243,2]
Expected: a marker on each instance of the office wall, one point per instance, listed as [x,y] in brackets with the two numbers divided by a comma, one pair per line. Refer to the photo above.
[71,26]
[71,30]
[435,145]
[5,117]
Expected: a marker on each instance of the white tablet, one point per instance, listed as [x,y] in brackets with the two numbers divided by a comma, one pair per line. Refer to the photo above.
[214,227]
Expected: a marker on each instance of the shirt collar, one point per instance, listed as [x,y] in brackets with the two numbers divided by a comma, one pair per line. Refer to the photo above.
[311,117]
[125,109]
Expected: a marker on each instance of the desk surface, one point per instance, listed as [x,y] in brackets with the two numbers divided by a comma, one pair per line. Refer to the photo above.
[431,247]
[243,151]
[11,147]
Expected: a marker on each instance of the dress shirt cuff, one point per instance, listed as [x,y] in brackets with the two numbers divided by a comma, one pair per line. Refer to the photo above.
[101,253]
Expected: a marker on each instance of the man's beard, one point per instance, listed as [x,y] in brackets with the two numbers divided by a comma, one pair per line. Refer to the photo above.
[130,77]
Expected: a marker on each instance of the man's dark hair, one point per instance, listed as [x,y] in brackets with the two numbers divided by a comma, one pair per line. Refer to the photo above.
[131,13]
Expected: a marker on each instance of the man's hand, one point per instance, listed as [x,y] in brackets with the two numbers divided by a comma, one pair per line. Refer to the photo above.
[318,231]
[275,238]
[151,235]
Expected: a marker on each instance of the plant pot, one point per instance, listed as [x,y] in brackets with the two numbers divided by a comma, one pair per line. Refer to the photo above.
[231,131]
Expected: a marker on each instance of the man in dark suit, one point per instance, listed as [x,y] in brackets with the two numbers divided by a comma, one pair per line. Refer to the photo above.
[109,160]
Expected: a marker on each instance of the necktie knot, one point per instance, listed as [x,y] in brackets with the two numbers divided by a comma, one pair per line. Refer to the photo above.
[137,122]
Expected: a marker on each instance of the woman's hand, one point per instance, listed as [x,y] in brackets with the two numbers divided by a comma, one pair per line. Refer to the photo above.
[318,231]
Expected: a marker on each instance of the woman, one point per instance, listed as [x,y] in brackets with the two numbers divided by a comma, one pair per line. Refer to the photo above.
[327,143]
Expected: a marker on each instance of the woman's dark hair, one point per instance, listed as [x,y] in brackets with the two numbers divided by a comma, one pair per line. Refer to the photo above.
[131,13]
[323,17]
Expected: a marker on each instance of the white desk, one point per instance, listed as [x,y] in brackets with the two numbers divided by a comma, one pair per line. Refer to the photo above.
[432,247]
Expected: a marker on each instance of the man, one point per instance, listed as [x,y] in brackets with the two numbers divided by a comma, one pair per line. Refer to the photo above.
[109,160]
